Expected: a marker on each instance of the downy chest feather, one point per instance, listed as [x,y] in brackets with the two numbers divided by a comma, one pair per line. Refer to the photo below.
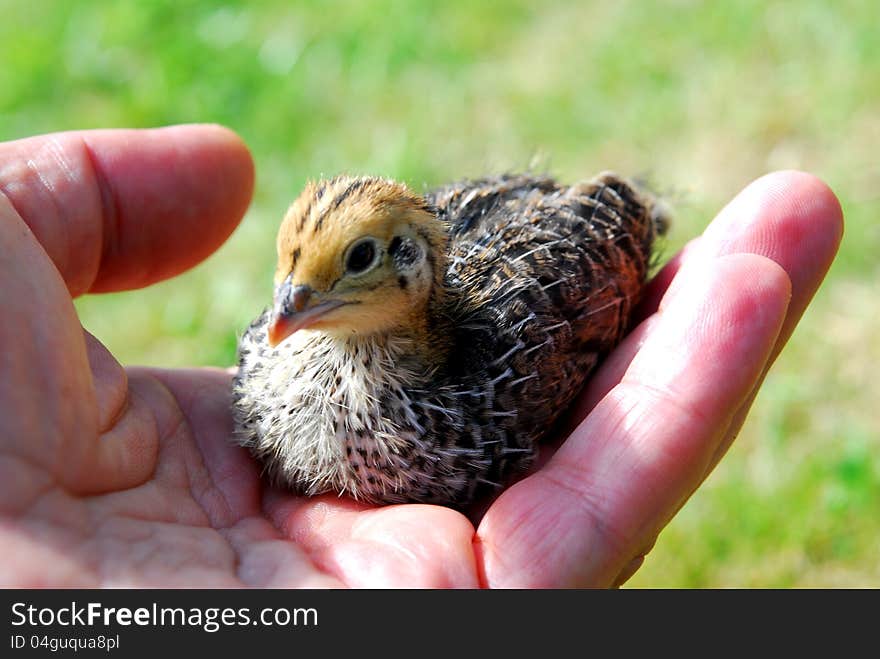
[333,412]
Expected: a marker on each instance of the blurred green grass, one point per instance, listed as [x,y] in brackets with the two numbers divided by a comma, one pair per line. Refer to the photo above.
[699,97]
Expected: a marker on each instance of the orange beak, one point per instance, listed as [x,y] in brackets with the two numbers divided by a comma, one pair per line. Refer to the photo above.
[293,313]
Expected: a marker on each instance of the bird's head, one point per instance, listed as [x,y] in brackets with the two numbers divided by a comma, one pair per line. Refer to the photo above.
[356,255]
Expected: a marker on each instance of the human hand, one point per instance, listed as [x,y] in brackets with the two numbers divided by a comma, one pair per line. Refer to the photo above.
[127,477]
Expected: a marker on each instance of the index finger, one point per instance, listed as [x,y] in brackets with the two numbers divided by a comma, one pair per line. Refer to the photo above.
[121,209]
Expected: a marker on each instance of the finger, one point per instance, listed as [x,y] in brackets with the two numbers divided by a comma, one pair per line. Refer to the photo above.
[50,416]
[45,387]
[611,487]
[110,383]
[125,452]
[790,217]
[104,209]
[121,209]
[404,546]
[796,220]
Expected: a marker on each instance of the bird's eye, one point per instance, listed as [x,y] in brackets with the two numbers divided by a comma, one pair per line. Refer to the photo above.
[360,257]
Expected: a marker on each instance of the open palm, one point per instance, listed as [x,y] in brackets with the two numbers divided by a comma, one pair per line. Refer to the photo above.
[128,477]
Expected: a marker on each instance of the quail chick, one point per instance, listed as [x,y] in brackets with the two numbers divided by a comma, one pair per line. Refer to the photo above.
[419,347]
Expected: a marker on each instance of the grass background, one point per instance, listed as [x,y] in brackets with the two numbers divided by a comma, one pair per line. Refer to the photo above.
[701,97]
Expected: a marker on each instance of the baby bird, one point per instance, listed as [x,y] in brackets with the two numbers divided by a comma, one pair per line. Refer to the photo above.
[419,347]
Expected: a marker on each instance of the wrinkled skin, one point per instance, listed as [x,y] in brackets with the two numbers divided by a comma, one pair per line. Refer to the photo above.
[115,476]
